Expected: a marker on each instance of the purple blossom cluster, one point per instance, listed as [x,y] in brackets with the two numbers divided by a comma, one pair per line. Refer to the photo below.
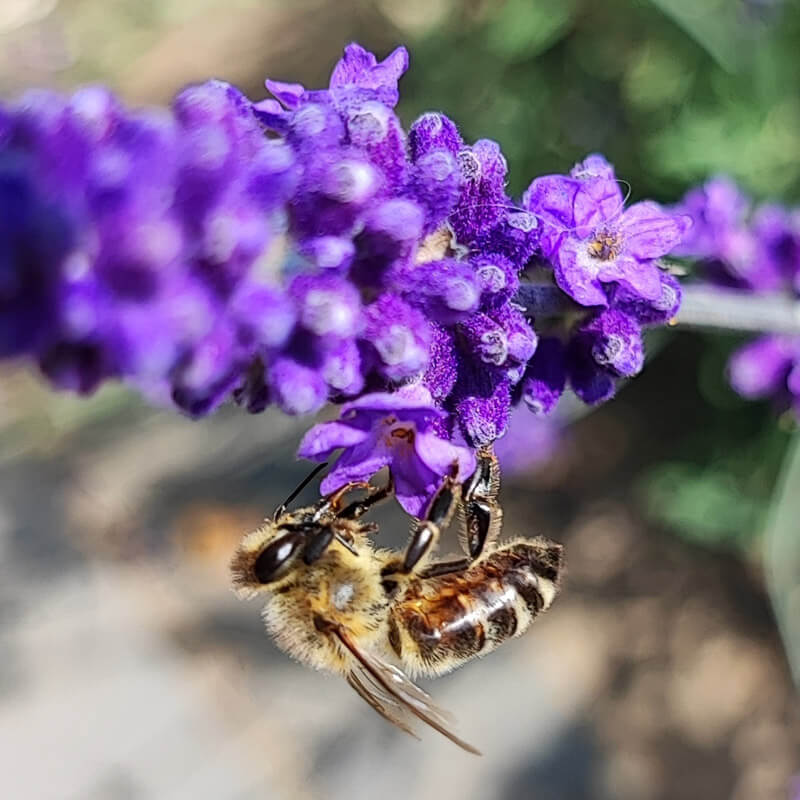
[306,249]
[739,245]
[606,258]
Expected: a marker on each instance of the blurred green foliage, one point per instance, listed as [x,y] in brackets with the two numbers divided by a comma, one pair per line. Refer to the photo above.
[671,91]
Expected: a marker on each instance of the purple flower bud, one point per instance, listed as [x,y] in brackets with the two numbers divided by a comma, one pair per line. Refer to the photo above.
[435,183]
[445,290]
[265,316]
[208,373]
[329,252]
[615,341]
[398,335]
[651,312]
[358,68]
[341,368]
[761,367]
[485,338]
[297,389]
[483,201]
[592,383]
[545,377]
[442,372]
[497,278]
[374,129]
[520,335]
[482,401]
[391,231]
[433,131]
[327,305]
[35,237]
[515,236]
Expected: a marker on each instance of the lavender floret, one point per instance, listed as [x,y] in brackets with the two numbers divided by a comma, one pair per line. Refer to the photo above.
[395,430]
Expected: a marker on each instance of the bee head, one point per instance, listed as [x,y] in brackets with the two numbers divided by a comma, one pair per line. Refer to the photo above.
[265,557]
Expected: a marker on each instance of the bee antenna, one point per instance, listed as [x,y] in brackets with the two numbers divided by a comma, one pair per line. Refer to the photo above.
[299,488]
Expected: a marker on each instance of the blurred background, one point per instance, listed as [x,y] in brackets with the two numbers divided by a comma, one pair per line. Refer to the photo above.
[128,671]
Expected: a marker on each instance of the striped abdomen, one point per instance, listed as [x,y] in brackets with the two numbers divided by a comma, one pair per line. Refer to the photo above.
[439,623]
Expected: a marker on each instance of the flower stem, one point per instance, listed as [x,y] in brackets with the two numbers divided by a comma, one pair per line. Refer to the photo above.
[705,306]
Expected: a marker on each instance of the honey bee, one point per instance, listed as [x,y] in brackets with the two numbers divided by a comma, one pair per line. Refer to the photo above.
[334,602]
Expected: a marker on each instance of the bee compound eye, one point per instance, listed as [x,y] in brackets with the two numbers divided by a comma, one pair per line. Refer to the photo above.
[277,558]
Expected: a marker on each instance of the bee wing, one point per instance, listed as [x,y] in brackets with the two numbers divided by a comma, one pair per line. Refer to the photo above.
[393,695]
[384,704]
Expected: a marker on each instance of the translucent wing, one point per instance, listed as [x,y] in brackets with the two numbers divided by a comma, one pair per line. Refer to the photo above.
[392,694]
[384,704]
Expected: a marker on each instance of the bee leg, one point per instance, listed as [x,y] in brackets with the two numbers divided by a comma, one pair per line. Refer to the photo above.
[360,507]
[482,515]
[445,568]
[437,517]
[332,504]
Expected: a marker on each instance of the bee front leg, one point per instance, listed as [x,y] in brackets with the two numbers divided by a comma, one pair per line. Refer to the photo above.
[376,495]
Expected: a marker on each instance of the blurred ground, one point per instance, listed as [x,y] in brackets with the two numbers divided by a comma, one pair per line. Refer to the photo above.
[128,669]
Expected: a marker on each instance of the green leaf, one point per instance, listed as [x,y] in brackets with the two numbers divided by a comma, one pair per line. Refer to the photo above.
[713,25]
[782,556]
[524,28]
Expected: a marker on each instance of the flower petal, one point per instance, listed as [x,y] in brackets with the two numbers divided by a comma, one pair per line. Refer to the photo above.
[642,277]
[359,463]
[326,437]
[414,483]
[412,396]
[598,200]
[288,94]
[439,455]
[576,273]
[552,199]
[650,232]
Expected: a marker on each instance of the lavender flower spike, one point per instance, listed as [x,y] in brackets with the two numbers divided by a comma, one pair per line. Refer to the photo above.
[398,430]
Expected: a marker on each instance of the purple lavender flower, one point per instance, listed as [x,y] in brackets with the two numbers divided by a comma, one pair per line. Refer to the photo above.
[717,208]
[737,244]
[592,241]
[397,430]
[753,249]
[768,367]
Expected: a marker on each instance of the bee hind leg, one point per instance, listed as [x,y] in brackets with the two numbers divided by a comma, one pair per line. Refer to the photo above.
[482,515]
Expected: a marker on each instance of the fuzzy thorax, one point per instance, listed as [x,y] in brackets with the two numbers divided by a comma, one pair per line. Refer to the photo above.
[340,589]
